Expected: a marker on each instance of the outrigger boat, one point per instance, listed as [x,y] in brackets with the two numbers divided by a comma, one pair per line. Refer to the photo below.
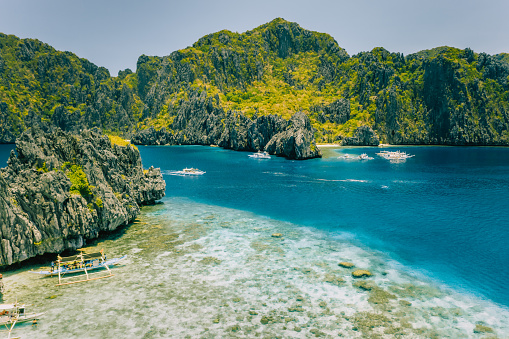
[260,155]
[11,314]
[188,171]
[394,155]
[364,156]
[81,263]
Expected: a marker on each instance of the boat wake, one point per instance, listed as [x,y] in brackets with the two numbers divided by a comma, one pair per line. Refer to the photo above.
[343,180]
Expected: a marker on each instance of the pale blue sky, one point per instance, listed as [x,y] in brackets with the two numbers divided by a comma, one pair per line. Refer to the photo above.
[114,33]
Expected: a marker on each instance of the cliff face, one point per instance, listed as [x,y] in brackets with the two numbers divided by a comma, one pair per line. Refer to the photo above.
[62,189]
[455,97]
[364,136]
[238,90]
[199,122]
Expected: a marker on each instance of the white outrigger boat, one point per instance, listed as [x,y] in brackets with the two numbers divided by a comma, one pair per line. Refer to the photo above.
[81,263]
[364,156]
[394,155]
[12,314]
[260,155]
[188,171]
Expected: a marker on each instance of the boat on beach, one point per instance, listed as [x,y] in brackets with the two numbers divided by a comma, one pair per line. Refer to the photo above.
[260,155]
[78,266]
[188,171]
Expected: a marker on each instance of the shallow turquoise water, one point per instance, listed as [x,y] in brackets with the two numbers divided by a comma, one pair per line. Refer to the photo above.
[203,263]
[442,212]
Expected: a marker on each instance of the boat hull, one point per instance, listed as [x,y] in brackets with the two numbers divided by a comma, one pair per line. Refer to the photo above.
[80,270]
[6,320]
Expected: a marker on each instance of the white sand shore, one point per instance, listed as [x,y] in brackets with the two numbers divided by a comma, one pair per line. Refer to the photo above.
[327,145]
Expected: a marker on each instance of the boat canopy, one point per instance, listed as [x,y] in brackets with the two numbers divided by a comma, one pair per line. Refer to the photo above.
[86,256]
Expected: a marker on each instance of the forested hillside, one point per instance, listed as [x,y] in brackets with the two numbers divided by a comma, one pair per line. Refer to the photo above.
[240,90]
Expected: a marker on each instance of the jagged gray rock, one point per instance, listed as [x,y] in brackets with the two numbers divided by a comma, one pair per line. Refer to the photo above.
[43,211]
[337,112]
[200,122]
[150,136]
[363,136]
[297,141]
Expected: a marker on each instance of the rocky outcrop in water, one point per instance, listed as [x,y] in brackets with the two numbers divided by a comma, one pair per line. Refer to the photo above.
[296,141]
[62,189]
[200,122]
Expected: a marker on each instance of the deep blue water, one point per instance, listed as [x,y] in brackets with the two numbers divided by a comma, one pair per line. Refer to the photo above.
[443,213]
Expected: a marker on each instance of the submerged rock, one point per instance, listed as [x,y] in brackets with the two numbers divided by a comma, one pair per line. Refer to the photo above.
[333,279]
[482,329]
[346,264]
[361,273]
[62,189]
[363,285]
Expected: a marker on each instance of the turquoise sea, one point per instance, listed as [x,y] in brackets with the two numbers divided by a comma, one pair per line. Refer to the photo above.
[444,212]
[433,230]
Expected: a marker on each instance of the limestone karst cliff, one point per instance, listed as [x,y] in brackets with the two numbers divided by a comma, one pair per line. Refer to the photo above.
[199,122]
[62,189]
[226,84]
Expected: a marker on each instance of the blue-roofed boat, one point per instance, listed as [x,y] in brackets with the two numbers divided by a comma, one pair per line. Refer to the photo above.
[82,264]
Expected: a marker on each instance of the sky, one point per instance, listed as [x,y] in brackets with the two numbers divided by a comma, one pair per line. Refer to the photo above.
[114,33]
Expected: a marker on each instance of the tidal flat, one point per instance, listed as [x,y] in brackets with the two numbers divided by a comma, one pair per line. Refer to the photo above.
[202,271]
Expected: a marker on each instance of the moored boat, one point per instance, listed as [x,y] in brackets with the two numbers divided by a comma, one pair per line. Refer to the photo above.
[81,263]
[364,156]
[11,314]
[260,155]
[394,155]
